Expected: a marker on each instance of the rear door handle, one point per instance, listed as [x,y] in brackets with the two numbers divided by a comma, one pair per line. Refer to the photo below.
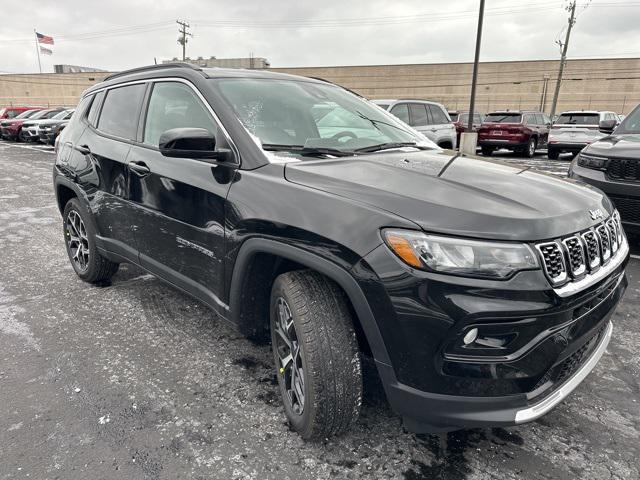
[139,168]
[83,149]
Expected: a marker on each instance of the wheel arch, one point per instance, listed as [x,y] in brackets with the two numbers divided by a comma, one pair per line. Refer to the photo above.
[247,303]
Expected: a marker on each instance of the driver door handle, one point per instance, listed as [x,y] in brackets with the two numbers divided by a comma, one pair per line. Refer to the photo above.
[83,149]
[139,168]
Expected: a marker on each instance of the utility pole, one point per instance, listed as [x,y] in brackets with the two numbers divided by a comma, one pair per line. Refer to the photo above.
[182,39]
[563,56]
[469,139]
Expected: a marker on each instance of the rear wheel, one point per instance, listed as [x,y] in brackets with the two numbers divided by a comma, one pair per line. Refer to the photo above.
[487,151]
[79,236]
[530,151]
[316,354]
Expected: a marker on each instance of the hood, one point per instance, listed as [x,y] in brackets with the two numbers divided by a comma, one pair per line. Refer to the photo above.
[13,121]
[625,146]
[457,195]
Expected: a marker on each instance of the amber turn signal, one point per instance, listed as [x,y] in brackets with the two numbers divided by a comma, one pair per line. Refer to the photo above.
[403,249]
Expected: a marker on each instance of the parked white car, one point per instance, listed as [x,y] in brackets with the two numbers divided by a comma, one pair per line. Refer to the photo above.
[576,129]
[429,118]
[31,128]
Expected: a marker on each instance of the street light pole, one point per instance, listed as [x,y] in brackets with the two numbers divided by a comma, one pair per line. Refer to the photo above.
[474,81]
[469,138]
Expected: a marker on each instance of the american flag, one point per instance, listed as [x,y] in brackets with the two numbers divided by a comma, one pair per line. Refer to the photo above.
[44,38]
[46,51]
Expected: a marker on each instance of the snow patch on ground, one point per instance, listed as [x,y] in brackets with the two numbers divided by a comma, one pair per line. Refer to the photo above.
[10,325]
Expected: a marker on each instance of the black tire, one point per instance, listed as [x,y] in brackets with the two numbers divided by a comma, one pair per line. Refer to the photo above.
[328,354]
[487,151]
[94,268]
[552,154]
[530,151]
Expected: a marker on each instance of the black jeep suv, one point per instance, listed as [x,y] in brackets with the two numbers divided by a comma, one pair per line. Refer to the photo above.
[297,210]
[613,164]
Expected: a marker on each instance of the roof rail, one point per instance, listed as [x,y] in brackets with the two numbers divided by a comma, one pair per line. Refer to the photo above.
[154,67]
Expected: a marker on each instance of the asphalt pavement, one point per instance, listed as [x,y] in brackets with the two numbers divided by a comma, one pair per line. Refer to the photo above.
[135,380]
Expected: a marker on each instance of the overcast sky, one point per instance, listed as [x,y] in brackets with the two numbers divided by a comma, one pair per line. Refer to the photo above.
[119,34]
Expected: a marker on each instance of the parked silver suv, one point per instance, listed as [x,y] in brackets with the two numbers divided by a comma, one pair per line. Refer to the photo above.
[576,129]
[429,118]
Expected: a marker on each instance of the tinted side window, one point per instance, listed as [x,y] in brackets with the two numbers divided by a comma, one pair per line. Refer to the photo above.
[119,114]
[174,105]
[438,115]
[418,115]
[402,112]
[92,117]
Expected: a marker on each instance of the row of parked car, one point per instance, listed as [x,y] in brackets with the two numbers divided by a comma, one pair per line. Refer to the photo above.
[522,131]
[33,124]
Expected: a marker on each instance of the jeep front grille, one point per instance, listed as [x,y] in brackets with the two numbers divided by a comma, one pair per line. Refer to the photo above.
[573,258]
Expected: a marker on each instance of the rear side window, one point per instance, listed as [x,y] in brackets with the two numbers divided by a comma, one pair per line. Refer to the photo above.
[92,116]
[402,112]
[175,105]
[119,114]
[418,113]
[438,114]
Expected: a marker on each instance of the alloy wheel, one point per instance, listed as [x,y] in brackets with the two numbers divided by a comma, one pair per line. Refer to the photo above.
[287,349]
[77,240]
[532,148]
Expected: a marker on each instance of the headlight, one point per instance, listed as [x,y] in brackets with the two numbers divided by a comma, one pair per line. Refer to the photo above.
[460,256]
[589,161]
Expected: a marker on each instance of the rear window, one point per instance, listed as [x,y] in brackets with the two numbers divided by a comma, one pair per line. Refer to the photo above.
[578,119]
[464,118]
[120,110]
[504,118]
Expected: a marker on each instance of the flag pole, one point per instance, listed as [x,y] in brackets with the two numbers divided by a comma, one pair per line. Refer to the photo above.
[37,50]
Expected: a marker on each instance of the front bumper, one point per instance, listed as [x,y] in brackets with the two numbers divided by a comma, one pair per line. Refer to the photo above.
[556,338]
[424,412]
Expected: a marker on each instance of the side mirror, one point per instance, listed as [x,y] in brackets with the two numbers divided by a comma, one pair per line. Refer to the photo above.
[607,126]
[191,143]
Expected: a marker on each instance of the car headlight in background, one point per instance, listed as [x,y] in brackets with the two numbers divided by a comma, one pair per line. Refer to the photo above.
[589,161]
[475,258]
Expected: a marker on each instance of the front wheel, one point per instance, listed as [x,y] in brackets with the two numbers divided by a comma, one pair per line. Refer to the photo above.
[79,236]
[316,354]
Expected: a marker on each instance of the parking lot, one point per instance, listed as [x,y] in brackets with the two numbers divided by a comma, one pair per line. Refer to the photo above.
[137,380]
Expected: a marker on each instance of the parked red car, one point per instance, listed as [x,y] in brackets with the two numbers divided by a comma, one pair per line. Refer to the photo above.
[12,112]
[521,131]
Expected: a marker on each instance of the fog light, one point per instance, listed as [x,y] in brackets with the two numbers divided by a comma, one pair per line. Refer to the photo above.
[470,336]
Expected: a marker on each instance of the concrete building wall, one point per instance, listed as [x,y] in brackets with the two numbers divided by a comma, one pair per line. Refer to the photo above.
[607,84]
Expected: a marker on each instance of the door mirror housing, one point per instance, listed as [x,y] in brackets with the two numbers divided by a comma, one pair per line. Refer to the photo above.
[607,126]
[191,143]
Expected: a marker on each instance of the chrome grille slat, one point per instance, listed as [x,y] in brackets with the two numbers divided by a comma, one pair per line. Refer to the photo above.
[592,249]
[576,260]
[575,256]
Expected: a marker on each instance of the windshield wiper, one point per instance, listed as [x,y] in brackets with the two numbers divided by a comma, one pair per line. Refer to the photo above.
[310,151]
[388,146]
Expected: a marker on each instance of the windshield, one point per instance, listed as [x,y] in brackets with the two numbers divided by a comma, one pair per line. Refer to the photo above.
[42,114]
[578,119]
[631,123]
[299,114]
[504,118]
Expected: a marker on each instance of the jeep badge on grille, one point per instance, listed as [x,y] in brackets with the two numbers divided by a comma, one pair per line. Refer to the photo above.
[596,214]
